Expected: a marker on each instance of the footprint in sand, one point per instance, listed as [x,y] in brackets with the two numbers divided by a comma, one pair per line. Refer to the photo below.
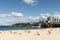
[49,32]
[10,31]
[19,33]
[0,32]
[29,31]
[38,33]
[15,32]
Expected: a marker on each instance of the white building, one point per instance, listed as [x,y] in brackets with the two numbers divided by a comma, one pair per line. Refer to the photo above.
[53,20]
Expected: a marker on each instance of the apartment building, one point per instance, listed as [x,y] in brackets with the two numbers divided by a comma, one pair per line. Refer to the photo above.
[53,20]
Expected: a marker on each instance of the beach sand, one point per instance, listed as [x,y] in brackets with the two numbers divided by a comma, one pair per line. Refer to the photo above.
[38,34]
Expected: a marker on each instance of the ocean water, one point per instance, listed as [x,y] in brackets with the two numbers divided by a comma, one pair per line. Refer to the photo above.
[15,28]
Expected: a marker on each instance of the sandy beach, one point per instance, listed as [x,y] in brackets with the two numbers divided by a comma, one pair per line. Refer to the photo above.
[39,34]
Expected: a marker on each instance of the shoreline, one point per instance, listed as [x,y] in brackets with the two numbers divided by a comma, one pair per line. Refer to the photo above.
[38,34]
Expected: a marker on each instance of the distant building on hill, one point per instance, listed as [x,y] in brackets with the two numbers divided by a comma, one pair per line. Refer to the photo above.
[53,20]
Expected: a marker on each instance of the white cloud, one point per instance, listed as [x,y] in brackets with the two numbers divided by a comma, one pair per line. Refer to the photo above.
[17,17]
[57,15]
[31,2]
[17,14]
[33,17]
[4,15]
[10,18]
[45,15]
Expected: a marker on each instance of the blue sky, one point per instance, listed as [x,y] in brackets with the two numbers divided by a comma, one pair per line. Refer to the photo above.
[13,11]
[43,6]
